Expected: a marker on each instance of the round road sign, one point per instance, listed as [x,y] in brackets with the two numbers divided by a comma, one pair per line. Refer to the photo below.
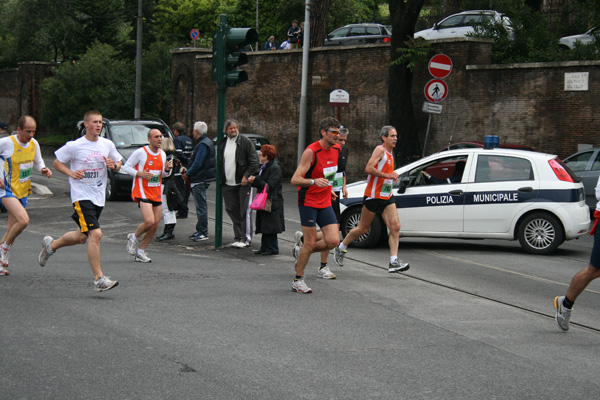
[440,66]
[194,34]
[436,90]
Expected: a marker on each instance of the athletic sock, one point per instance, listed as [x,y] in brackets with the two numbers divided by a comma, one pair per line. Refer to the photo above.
[343,246]
[393,259]
[323,265]
[568,303]
[298,277]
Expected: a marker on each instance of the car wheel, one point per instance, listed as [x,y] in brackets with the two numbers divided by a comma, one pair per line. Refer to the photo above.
[350,220]
[540,233]
[111,189]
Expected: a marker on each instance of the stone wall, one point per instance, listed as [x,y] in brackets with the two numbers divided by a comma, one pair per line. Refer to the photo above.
[522,103]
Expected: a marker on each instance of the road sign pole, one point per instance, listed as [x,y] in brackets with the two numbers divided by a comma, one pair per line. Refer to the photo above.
[221,90]
[426,136]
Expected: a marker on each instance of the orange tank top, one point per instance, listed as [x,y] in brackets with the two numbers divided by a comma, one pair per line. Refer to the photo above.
[381,188]
[149,188]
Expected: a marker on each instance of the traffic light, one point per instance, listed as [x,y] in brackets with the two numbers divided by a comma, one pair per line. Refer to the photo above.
[217,52]
[235,39]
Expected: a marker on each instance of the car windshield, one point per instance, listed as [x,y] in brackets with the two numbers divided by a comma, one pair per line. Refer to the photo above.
[134,135]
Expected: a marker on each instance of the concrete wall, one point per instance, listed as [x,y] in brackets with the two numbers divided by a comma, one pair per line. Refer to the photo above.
[523,103]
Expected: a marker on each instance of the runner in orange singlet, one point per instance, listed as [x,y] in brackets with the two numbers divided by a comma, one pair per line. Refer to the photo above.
[379,200]
[148,166]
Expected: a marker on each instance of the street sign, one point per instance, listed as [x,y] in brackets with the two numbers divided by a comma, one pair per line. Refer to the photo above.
[339,98]
[440,66]
[436,90]
[194,34]
[432,108]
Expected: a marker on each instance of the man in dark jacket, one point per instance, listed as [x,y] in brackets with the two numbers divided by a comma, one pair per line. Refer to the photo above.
[200,173]
[183,150]
[237,162]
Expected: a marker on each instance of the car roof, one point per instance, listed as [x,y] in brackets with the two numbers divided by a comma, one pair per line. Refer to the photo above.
[361,24]
[479,150]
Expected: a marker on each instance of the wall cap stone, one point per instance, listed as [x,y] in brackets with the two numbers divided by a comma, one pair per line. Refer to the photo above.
[561,64]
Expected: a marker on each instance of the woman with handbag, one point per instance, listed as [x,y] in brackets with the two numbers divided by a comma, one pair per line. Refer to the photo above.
[269,223]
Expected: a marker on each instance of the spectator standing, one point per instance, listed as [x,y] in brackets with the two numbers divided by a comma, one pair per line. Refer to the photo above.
[19,154]
[270,44]
[301,35]
[293,35]
[563,305]
[269,223]
[200,174]
[314,177]
[148,165]
[379,200]
[238,161]
[183,148]
[88,156]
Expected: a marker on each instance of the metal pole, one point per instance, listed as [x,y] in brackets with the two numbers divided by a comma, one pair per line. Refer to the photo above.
[303,91]
[426,135]
[137,112]
[222,88]
[257,48]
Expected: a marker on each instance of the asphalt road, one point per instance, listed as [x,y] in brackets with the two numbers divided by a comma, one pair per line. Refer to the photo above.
[469,320]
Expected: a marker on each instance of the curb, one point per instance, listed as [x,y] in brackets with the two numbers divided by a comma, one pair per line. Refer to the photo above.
[41,190]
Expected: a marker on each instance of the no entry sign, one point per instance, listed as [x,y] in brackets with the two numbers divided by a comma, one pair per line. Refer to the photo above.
[436,90]
[440,66]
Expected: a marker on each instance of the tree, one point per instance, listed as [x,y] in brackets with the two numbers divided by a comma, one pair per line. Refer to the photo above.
[319,20]
[404,14]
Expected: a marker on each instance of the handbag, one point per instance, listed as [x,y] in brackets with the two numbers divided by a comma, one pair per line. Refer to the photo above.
[260,202]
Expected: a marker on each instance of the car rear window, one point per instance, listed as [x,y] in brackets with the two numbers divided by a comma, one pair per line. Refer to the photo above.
[495,168]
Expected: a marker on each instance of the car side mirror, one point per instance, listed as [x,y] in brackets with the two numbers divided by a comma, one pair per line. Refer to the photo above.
[404,182]
[435,25]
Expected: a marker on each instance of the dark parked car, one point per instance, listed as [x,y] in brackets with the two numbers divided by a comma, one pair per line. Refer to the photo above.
[358,34]
[128,135]
[586,165]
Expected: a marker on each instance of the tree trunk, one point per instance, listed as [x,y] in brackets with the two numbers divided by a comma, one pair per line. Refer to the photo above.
[451,7]
[319,19]
[404,14]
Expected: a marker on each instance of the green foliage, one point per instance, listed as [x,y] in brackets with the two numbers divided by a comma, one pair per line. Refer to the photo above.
[156,81]
[99,80]
[413,52]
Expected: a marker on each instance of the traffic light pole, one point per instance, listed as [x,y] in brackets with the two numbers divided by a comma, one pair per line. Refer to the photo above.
[221,89]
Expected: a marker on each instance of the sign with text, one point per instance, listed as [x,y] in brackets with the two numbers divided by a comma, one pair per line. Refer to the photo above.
[577,81]
[432,108]
[339,98]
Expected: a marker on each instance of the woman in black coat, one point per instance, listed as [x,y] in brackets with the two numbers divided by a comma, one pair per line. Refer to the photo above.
[269,224]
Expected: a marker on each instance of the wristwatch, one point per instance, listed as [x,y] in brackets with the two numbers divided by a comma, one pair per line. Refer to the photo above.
[312,182]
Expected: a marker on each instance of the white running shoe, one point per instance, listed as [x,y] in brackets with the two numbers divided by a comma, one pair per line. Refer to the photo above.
[132,244]
[326,273]
[104,283]
[4,255]
[562,314]
[239,245]
[398,266]
[298,242]
[141,256]
[338,256]
[46,252]
[3,271]
[300,286]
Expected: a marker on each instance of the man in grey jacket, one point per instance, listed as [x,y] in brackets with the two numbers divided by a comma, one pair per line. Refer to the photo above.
[237,161]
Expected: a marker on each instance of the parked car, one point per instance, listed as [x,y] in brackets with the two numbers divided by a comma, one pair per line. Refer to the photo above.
[257,140]
[128,135]
[358,34]
[462,25]
[568,42]
[472,145]
[503,194]
[586,165]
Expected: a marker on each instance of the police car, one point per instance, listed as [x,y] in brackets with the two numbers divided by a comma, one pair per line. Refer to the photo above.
[501,194]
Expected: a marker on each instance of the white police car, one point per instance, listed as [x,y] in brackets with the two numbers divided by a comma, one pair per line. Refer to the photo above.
[502,194]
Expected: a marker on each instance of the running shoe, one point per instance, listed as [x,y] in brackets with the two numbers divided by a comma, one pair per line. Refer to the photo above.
[141,256]
[338,256]
[562,314]
[194,235]
[4,255]
[300,286]
[239,245]
[46,252]
[200,238]
[298,242]
[104,283]
[326,273]
[132,244]
[398,266]
[3,271]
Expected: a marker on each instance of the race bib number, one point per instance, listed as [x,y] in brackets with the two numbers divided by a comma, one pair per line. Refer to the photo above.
[338,182]
[155,180]
[329,174]
[386,188]
[93,173]
[25,172]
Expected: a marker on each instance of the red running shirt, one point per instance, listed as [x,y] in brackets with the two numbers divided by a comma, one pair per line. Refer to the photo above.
[324,165]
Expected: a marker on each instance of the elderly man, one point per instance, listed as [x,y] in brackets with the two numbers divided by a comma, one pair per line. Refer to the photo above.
[200,173]
[238,160]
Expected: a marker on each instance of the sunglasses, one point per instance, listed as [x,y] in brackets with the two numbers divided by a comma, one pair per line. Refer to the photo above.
[334,131]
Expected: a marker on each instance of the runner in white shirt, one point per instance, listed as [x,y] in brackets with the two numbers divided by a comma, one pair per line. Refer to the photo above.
[19,156]
[89,156]
[148,165]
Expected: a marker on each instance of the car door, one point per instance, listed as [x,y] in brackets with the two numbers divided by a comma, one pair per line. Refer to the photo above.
[448,28]
[427,207]
[503,186]
[586,165]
